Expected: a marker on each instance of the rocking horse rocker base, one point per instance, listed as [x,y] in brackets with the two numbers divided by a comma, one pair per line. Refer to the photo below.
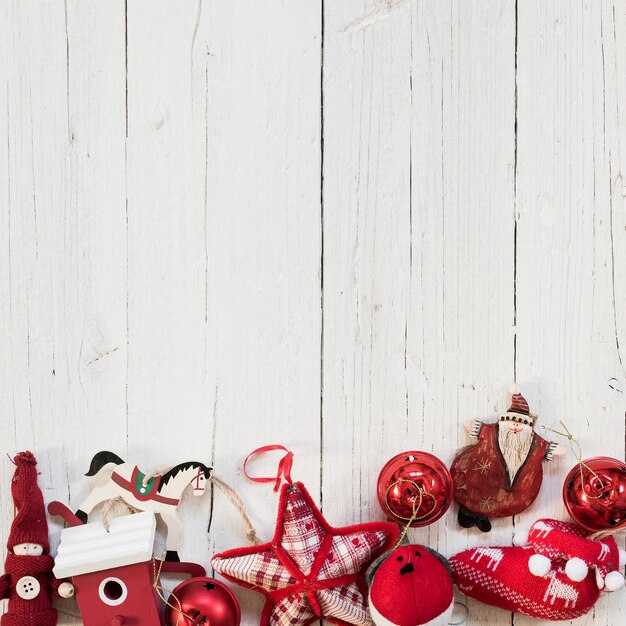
[159,493]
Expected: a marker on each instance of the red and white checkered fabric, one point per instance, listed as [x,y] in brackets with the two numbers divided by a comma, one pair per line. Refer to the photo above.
[261,569]
[302,533]
[309,570]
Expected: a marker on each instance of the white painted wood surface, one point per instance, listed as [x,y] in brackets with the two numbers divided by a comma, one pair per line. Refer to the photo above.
[344,226]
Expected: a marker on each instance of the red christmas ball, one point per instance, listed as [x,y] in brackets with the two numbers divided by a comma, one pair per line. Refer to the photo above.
[409,477]
[596,497]
[202,601]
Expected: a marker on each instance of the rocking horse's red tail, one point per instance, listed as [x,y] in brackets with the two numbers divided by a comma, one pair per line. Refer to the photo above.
[101,459]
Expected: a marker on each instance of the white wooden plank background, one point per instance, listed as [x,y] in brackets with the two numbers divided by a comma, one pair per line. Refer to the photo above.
[345,226]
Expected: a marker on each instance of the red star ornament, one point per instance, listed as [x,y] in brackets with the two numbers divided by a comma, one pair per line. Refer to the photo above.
[309,570]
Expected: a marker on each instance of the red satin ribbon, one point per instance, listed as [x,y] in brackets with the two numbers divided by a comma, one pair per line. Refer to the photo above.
[284,466]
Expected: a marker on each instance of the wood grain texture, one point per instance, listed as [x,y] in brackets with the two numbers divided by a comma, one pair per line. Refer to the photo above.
[418,295]
[570,216]
[344,226]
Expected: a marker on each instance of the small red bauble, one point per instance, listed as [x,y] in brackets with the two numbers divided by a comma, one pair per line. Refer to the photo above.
[597,499]
[401,480]
[202,601]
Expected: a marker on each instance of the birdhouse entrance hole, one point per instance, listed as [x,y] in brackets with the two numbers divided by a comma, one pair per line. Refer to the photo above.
[113,591]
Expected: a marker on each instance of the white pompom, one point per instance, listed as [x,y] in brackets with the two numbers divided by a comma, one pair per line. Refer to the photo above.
[613,581]
[520,538]
[514,389]
[622,558]
[539,565]
[576,569]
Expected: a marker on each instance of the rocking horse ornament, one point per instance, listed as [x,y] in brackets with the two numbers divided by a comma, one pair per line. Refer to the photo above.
[159,493]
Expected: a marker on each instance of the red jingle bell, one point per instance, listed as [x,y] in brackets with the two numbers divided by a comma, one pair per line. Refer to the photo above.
[594,493]
[202,601]
[414,487]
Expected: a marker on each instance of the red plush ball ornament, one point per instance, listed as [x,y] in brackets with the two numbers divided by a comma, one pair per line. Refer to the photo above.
[202,602]
[410,586]
[403,478]
[595,497]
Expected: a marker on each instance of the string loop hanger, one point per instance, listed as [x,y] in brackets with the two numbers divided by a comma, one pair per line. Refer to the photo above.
[577,451]
[417,505]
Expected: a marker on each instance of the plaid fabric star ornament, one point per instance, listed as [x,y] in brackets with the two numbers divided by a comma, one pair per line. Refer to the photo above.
[309,570]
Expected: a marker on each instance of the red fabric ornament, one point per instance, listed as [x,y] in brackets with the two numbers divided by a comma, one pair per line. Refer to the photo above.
[410,586]
[28,581]
[502,577]
[309,570]
[501,475]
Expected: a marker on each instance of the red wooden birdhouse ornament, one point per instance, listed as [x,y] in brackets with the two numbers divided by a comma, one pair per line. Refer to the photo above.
[113,571]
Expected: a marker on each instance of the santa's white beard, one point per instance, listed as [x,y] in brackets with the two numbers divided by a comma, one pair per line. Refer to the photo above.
[514,446]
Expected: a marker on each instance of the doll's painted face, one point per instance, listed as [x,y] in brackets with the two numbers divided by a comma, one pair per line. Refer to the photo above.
[28,549]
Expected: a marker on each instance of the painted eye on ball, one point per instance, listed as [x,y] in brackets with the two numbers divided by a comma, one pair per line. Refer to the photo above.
[400,558]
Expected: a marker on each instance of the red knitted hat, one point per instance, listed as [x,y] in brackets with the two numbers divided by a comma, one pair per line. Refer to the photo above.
[559,576]
[29,525]
[570,542]
[500,576]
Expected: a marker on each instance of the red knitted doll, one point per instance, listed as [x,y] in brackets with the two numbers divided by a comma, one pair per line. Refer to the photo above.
[28,580]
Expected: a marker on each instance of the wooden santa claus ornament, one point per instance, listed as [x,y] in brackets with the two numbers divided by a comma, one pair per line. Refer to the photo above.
[501,475]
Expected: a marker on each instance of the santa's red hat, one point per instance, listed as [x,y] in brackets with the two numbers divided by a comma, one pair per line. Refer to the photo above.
[518,410]
[501,576]
[29,525]
[576,547]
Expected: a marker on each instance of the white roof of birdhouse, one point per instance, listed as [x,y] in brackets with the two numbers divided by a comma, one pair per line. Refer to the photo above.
[91,548]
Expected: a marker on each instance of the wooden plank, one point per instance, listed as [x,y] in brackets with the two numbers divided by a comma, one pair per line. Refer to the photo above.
[169,392]
[224,247]
[95,229]
[570,234]
[263,236]
[64,310]
[33,150]
[418,296]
